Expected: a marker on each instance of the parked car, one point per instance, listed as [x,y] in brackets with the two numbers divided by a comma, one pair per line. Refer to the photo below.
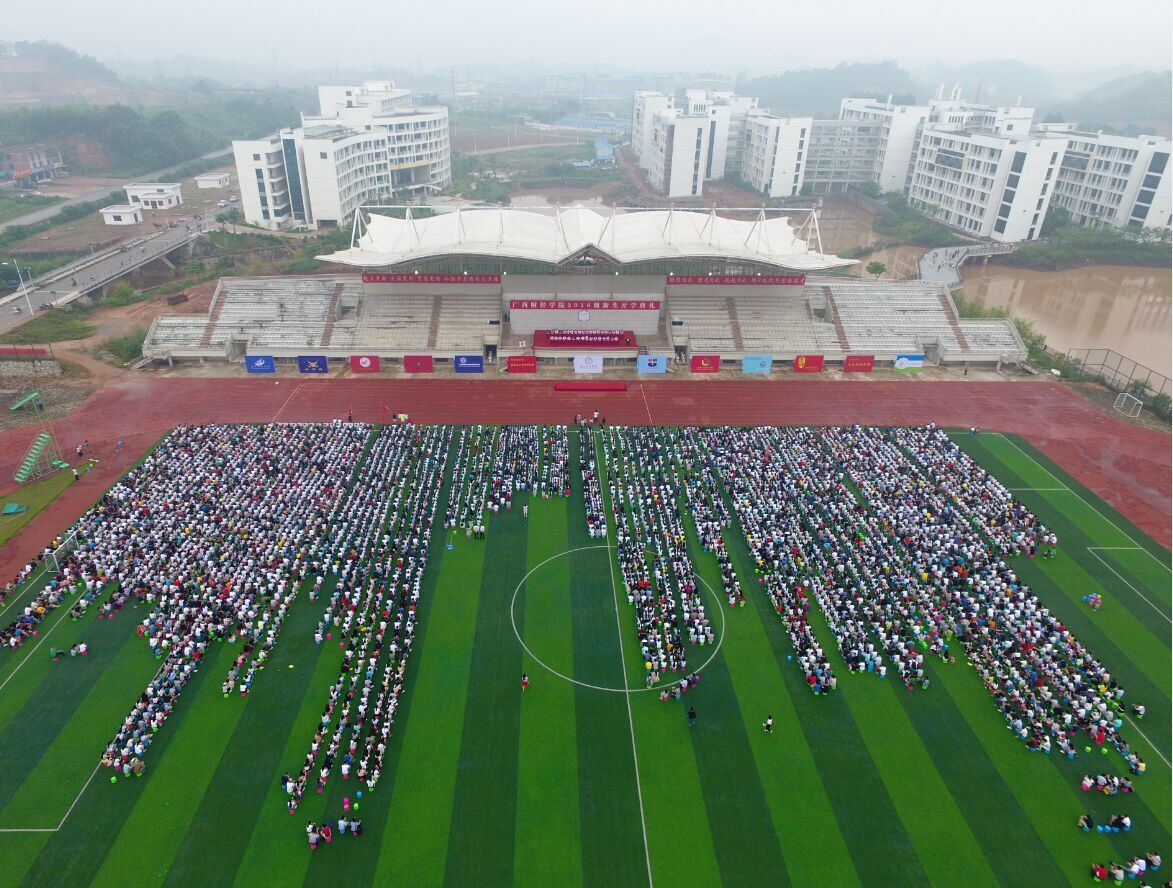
[222,204]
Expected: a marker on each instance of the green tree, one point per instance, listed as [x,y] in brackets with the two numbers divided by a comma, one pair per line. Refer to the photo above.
[876,268]
[195,266]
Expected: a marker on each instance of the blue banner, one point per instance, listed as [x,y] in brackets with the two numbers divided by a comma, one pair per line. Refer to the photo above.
[312,364]
[469,363]
[909,362]
[757,363]
[260,364]
[652,364]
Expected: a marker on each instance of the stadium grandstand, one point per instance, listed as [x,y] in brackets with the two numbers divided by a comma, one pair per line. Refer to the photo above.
[521,287]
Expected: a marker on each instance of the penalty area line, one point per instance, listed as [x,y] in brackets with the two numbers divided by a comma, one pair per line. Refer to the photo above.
[57,828]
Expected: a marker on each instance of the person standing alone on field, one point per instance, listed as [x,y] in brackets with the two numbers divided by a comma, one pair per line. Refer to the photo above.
[768,724]
[691,715]
[524,682]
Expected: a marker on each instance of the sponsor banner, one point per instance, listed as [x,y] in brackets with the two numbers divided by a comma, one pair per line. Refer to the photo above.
[312,364]
[651,364]
[469,363]
[909,362]
[757,363]
[369,277]
[584,304]
[859,363]
[260,364]
[584,338]
[738,280]
[588,364]
[522,363]
[705,363]
[417,363]
[364,363]
[808,363]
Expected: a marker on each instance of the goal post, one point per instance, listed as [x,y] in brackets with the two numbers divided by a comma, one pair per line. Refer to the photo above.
[1129,405]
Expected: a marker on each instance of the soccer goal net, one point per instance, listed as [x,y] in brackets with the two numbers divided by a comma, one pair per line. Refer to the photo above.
[1129,405]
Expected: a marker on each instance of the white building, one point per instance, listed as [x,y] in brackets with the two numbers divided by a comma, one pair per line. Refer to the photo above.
[122,214]
[681,147]
[897,133]
[368,144]
[1116,180]
[213,180]
[773,158]
[154,195]
[986,185]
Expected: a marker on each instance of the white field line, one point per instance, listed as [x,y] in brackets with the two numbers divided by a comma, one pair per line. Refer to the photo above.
[1100,558]
[623,665]
[1086,503]
[69,811]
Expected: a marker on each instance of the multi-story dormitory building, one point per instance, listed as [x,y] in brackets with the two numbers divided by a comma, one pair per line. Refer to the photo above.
[369,145]
[984,170]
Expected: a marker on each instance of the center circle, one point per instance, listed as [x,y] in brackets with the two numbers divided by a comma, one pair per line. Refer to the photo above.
[614,591]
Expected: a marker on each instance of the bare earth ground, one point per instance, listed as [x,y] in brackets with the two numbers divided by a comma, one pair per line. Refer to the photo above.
[82,233]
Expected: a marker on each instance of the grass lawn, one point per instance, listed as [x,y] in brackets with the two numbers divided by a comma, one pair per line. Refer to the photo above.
[12,205]
[577,781]
[54,325]
[36,496]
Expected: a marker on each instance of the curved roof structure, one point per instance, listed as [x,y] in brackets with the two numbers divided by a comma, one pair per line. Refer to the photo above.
[563,235]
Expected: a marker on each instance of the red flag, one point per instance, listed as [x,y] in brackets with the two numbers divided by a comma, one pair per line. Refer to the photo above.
[386,409]
[364,363]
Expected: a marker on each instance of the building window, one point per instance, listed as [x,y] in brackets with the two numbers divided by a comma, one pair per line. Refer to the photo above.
[116,218]
[256,157]
[322,155]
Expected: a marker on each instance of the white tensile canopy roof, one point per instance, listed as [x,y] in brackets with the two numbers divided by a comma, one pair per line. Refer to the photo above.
[562,234]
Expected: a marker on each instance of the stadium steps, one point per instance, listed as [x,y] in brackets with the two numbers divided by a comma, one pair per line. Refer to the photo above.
[434,324]
[29,465]
[951,315]
[734,324]
[332,314]
[213,319]
[840,333]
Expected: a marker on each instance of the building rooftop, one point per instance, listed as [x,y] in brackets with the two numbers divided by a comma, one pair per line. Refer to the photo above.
[563,234]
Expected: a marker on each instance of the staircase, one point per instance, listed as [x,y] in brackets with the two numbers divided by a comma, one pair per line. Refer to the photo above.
[213,319]
[734,325]
[951,314]
[434,326]
[833,317]
[332,315]
[32,459]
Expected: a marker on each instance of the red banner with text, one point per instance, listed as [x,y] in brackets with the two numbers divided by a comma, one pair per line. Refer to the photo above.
[364,363]
[522,363]
[417,363]
[705,363]
[808,363]
[584,305]
[738,280]
[371,277]
[859,363]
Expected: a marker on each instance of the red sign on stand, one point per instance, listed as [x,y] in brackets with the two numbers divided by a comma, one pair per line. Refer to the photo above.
[417,363]
[364,363]
[808,363]
[522,363]
[859,363]
[705,363]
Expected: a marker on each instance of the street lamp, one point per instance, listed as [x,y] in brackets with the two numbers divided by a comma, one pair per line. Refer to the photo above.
[24,289]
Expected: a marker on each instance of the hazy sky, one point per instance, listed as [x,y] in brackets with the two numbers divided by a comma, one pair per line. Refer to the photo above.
[731,35]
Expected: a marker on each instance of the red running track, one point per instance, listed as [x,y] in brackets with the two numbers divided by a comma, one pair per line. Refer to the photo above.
[1127,466]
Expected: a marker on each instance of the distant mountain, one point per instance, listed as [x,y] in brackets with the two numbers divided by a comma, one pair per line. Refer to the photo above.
[816,91]
[1132,103]
[43,73]
[997,83]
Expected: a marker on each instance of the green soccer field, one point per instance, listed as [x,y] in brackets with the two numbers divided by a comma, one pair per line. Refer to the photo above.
[587,777]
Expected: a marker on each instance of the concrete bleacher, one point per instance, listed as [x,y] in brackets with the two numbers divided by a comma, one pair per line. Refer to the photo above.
[275,313]
[462,321]
[896,317]
[751,322]
[385,324]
